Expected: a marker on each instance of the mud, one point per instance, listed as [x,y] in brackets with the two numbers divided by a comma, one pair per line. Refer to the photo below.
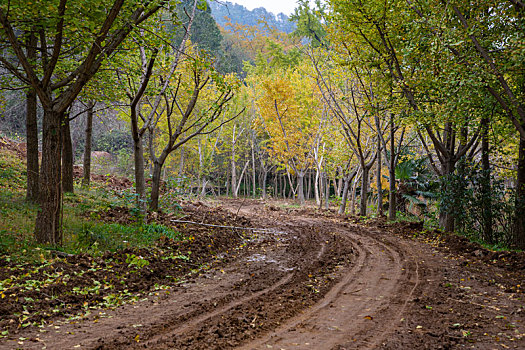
[300,279]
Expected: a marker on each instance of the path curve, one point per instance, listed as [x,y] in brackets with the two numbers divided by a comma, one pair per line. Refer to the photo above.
[363,308]
[312,283]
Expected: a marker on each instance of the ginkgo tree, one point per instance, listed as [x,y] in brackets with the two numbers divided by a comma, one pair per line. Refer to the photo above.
[192,106]
[291,119]
[387,37]
[74,38]
[145,100]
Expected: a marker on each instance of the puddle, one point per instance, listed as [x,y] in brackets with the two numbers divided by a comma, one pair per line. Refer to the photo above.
[261,258]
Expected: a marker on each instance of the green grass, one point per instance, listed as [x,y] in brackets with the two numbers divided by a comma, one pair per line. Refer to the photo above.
[83,231]
[97,237]
[12,174]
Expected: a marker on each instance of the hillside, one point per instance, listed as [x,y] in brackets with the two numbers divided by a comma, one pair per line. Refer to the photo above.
[239,14]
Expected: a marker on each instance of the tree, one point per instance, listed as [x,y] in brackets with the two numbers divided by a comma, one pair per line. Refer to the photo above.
[309,22]
[345,95]
[291,119]
[32,128]
[504,82]
[86,178]
[184,118]
[376,35]
[75,39]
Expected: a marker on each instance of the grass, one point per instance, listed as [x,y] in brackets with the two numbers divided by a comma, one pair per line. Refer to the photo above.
[81,233]
[97,237]
[12,175]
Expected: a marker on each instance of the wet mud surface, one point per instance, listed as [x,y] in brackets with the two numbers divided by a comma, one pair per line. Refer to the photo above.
[267,277]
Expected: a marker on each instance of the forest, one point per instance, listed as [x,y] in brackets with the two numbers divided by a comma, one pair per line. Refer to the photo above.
[122,118]
[397,108]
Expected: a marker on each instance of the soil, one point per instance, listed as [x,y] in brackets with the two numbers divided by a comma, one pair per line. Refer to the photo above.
[112,182]
[16,147]
[269,277]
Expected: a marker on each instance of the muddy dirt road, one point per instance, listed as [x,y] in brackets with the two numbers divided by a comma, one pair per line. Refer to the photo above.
[309,280]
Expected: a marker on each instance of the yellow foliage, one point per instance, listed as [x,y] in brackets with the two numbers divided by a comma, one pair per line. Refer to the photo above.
[289,115]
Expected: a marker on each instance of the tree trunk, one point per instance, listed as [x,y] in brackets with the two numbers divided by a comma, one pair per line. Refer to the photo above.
[263,183]
[309,186]
[446,219]
[275,186]
[279,186]
[67,156]
[347,180]
[316,188]
[326,191]
[364,190]
[292,193]
[344,197]
[203,187]
[354,194]
[227,183]
[254,187]
[282,180]
[300,187]
[235,190]
[48,224]
[155,185]
[519,215]
[340,181]
[392,204]
[140,181]
[378,179]
[88,145]
[234,174]
[244,179]
[486,190]
[32,131]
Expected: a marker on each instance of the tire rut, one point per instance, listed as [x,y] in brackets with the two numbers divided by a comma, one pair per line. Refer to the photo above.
[195,321]
[194,327]
[360,310]
[321,284]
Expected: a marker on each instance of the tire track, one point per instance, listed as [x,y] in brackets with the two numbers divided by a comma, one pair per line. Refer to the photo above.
[360,310]
[193,322]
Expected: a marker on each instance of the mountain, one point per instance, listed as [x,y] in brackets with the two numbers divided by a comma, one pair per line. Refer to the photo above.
[239,14]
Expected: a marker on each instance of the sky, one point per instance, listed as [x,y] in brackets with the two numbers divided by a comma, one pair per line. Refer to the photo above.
[275,6]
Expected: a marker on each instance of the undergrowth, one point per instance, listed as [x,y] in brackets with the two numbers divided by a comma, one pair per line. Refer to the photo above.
[82,233]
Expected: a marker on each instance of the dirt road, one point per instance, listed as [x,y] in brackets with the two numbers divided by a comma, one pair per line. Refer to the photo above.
[309,280]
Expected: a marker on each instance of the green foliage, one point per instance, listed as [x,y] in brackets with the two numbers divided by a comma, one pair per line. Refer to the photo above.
[81,233]
[204,31]
[466,200]
[310,22]
[113,142]
[128,198]
[125,162]
[137,261]
[230,58]
[12,173]
[97,237]
[416,185]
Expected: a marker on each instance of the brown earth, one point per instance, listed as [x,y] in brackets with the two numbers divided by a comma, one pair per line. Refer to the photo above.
[113,182]
[297,279]
[20,148]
